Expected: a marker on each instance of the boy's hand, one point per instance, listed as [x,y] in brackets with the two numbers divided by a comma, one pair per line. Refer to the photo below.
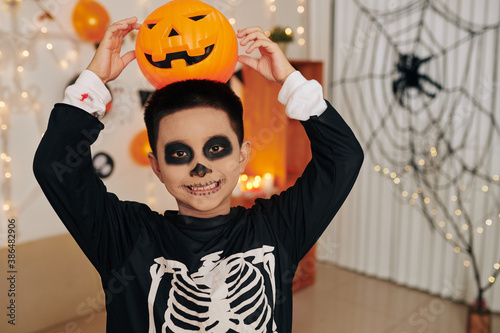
[273,64]
[107,63]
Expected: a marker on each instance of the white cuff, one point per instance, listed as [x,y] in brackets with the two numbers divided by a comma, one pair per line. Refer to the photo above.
[88,93]
[302,98]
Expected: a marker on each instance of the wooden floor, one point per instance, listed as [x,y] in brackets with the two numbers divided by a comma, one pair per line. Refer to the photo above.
[346,302]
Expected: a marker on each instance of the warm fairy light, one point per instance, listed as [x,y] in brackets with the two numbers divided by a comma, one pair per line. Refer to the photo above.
[458,212]
[407,168]
[480,230]
[268,176]
[421,162]
[24,94]
[393,175]
[301,41]
[466,263]
[6,207]
[385,171]
[243,178]
[411,201]
[434,151]
[414,195]
[442,224]
[454,198]
[256,184]
[3,156]
[488,222]
[496,177]
[64,64]
[8,175]
[456,249]
[249,186]
[427,200]
[434,212]
[404,194]
[232,20]
[465,227]
[288,31]
[300,30]
[449,236]
[20,69]
[397,181]
[25,53]
[419,190]
[300,9]
[43,30]
[378,168]
[491,279]
[271,1]
[2,104]
[49,46]
[4,127]
[272,8]
[496,266]
[258,178]
[484,188]
[463,188]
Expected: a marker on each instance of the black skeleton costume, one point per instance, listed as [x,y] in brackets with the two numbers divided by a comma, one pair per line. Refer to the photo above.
[174,273]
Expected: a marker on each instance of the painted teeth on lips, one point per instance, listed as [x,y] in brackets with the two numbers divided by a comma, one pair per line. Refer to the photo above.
[204,189]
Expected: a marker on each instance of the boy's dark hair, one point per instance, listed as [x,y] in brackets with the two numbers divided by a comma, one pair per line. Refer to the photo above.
[189,94]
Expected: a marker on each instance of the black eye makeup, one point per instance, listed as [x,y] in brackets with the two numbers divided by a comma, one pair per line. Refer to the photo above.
[178,153]
[217,147]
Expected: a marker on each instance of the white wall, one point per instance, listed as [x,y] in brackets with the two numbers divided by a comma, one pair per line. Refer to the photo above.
[45,80]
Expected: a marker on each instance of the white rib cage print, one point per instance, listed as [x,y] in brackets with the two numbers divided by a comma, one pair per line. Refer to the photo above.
[224,295]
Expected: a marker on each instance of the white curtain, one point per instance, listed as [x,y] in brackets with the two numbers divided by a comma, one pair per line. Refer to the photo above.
[430,128]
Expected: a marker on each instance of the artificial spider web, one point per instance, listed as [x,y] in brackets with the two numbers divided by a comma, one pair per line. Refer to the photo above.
[422,80]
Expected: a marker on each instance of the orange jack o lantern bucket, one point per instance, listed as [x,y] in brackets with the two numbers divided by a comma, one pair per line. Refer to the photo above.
[186,39]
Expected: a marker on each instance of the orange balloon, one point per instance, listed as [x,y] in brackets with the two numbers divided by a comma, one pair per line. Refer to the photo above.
[90,20]
[139,148]
[186,39]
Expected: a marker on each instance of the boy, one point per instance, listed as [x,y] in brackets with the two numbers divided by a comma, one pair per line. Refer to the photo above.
[208,266]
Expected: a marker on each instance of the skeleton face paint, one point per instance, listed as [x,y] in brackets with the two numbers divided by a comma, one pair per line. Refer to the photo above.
[197,162]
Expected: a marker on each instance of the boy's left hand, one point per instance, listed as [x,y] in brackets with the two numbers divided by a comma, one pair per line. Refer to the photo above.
[273,65]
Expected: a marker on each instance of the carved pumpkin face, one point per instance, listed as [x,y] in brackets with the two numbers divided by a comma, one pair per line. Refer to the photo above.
[186,39]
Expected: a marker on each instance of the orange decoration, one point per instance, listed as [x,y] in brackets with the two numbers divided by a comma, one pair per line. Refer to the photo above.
[139,148]
[186,39]
[90,20]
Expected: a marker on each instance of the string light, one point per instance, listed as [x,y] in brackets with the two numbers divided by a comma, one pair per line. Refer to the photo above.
[300,9]
[378,168]
[496,266]
[456,249]
[465,227]
[480,230]
[484,188]
[496,177]
[449,236]
[442,224]
[466,263]
[488,222]
[491,279]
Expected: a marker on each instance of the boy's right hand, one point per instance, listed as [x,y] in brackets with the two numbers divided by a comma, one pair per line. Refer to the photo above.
[107,63]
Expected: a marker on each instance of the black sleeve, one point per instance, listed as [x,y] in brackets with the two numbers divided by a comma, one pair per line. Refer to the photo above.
[104,227]
[300,214]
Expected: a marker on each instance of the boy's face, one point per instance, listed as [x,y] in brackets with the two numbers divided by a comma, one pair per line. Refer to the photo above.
[199,160]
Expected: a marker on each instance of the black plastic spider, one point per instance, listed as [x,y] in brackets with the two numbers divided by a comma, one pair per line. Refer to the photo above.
[408,68]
